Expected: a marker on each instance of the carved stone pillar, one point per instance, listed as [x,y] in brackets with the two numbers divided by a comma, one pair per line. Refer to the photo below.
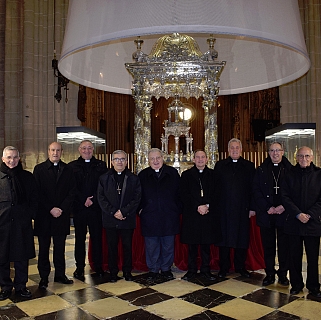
[142,132]
[210,131]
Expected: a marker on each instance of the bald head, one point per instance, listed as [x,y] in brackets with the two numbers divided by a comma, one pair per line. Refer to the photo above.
[304,156]
[54,152]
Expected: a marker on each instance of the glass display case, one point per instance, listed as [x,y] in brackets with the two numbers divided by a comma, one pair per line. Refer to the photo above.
[70,138]
[292,136]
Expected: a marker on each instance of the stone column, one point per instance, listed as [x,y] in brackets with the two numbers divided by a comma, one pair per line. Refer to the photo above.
[142,132]
[210,131]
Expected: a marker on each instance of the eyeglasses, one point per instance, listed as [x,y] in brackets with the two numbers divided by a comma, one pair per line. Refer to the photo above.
[306,156]
[276,150]
[119,159]
[86,148]
[155,159]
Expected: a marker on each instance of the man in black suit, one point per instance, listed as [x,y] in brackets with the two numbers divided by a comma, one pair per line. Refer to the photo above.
[200,223]
[86,211]
[119,195]
[302,201]
[57,189]
[233,180]
[18,205]
[270,213]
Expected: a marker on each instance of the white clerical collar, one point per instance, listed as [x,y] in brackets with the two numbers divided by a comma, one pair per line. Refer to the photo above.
[275,164]
[200,171]
[87,160]
[119,172]
[234,160]
[157,170]
[55,163]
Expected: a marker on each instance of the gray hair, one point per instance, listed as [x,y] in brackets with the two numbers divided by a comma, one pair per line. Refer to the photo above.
[275,142]
[9,148]
[234,140]
[118,152]
[305,147]
[86,140]
[155,150]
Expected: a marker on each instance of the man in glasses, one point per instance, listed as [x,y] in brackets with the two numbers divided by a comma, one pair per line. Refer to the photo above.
[86,211]
[302,201]
[119,195]
[270,214]
[159,215]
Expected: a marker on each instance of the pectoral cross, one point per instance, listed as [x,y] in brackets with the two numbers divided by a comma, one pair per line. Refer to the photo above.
[118,188]
[276,189]
[202,193]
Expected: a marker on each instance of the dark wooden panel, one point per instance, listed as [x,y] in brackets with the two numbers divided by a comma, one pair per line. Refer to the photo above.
[235,114]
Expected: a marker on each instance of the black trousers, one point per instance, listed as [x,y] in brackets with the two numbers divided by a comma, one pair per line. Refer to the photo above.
[58,255]
[20,278]
[225,260]
[92,220]
[126,235]
[205,256]
[312,246]
[271,238]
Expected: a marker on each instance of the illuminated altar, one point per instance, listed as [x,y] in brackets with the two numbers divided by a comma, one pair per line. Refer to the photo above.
[175,68]
[177,126]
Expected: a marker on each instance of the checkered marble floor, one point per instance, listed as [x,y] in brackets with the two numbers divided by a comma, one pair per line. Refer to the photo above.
[97,298]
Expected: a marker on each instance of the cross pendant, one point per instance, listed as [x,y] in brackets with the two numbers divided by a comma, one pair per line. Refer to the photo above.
[118,189]
[202,193]
[276,189]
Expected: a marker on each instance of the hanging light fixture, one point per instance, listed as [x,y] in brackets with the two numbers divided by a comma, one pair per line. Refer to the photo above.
[175,67]
[62,81]
[261,41]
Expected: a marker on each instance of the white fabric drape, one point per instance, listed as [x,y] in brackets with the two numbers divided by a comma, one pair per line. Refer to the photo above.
[301,99]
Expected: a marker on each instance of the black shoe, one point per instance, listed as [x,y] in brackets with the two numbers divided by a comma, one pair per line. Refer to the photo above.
[64,280]
[152,275]
[98,274]
[128,276]
[315,293]
[113,277]
[79,274]
[269,279]
[208,275]
[189,275]
[284,281]
[221,274]
[5,294]
[168,275]
[24,293]
[295,291]
[43,284]
[244,273]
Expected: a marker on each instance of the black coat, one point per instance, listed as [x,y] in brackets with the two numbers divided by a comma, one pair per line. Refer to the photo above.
[110,202]
[16,233]
[263,192]
[57,192]
[87,183]
[233,189]
[197,228]
[160,203]
[302,194]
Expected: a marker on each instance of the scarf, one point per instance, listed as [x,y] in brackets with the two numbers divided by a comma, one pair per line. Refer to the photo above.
[17,185]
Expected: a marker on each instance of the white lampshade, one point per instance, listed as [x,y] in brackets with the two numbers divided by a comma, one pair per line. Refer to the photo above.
[261,40]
